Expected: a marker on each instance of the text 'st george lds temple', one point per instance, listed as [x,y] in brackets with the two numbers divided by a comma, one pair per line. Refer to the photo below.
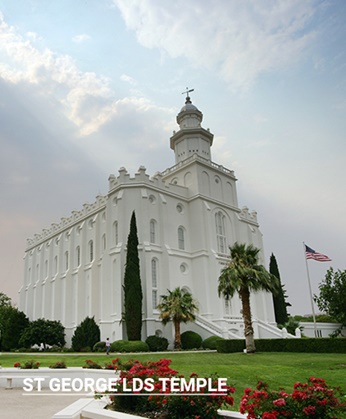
[187,216]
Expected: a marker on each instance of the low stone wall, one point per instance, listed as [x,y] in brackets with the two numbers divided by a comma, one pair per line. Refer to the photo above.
[84,409]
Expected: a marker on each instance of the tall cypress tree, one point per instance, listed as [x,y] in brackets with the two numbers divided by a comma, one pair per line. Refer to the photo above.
[132,285]
[280,305]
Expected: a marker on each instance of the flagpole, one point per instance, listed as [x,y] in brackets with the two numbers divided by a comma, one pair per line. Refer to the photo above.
[310,291]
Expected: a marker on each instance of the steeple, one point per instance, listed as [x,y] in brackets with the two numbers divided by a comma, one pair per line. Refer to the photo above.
[191,138]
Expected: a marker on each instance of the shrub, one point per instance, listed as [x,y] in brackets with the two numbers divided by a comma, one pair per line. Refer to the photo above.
[59,365]
[230,345]
[321,345]
[135,346]
[92,365]
[190,340]
[210,342]
[312,399]
[117,346]
[156,343]
[28,365]
[99,347]
[204,406]
[48,332]
[86,335]
[129,346]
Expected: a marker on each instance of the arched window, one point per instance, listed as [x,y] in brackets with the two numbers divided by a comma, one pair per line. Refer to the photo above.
[91,251]
[115,233]
[66,261]
[220,232]
[152,231]
[181,238]
[77,256]
[56,265]
[154,282]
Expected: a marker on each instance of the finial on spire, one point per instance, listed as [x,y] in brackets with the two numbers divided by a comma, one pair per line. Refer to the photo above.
[188,100]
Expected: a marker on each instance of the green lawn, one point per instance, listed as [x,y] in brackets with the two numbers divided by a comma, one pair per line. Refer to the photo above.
[242,370]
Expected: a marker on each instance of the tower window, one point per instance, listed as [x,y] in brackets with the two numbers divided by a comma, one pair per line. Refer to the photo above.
[220,232]
[181,238]
[152,231]
[154,282]
[91,251]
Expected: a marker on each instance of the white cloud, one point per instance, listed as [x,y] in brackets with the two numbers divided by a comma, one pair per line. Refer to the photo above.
[239,39]
[128,79]
[85,97]
[78,39]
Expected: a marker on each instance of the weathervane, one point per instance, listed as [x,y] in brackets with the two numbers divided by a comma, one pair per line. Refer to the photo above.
[187,92]
[188,100]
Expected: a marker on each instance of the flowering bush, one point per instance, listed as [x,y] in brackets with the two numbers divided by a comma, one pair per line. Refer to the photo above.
[59,365]
[311,400]
[91,364]
[27,365]
[113,365]
[162,400]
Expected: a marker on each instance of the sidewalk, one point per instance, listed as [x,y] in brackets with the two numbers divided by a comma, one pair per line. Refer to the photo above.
[17,405]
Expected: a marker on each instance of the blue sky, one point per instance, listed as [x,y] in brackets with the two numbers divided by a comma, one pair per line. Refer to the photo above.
[89,86]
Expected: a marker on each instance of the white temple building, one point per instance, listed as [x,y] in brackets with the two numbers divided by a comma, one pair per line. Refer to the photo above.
[187,216]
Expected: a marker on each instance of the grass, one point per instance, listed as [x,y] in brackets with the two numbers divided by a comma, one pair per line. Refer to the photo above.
[279,370]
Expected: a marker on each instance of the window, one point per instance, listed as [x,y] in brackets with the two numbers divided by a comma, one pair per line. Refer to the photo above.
[66,261]
[56,265]
[154,282]
[103,242]
[152,231]
[77,256]
[220,232]
[46,268]
[91,251]
[181,238]
[115,233]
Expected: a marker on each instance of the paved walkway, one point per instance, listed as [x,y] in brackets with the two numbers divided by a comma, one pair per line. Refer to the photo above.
[16,405]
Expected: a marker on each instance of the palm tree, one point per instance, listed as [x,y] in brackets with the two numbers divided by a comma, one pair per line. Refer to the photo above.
[242,275]
[178,306]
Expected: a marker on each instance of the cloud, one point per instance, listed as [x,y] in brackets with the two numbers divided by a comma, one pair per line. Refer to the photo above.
[78,39]
[128,79]
[240,40]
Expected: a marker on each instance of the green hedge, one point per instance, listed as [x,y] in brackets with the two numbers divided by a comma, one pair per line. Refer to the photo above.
[230,345]
[210,342]
[99,347]
[321,345]
[129,346]
[190,340]
[157,343]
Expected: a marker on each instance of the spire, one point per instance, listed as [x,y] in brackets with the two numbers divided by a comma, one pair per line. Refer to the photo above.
[191,138]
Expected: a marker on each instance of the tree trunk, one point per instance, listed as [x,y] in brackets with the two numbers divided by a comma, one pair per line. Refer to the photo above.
[177,339]
[248,329]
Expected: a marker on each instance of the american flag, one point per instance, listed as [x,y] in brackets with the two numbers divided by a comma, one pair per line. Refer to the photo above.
[312,254]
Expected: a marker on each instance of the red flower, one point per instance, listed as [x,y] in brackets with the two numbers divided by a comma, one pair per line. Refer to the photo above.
[279,402]
[309,410]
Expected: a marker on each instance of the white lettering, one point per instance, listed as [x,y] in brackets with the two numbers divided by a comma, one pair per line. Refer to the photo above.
[77,384]
[27,384]
[200,383]
[149,384]
[53,386]
[164,382]
[190,386]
